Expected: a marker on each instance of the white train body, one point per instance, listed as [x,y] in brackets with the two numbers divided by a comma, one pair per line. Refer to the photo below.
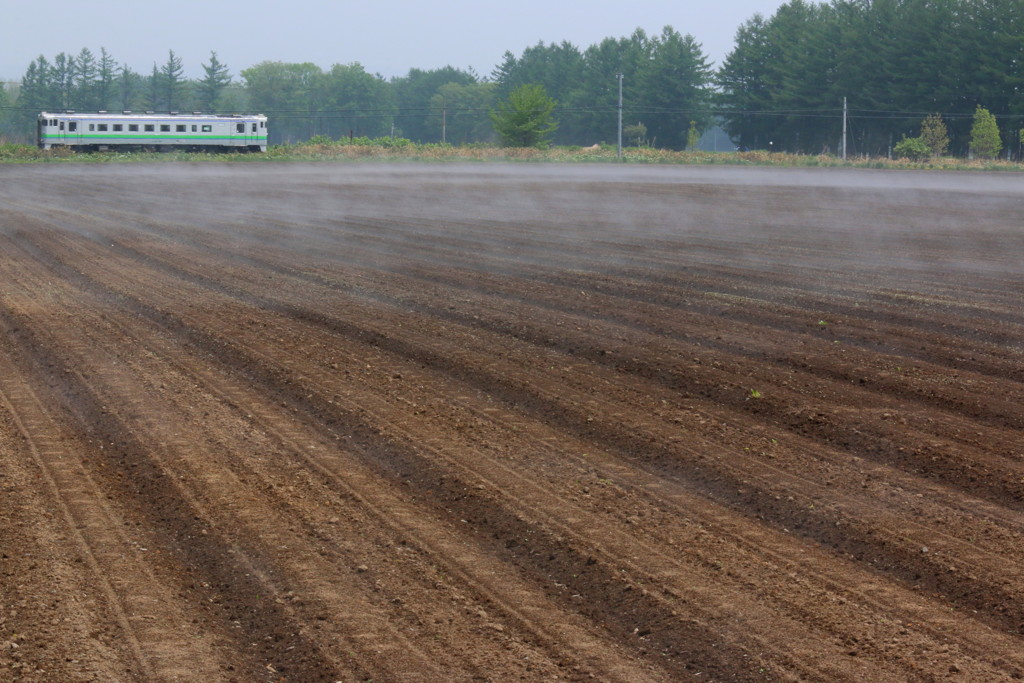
[194,132]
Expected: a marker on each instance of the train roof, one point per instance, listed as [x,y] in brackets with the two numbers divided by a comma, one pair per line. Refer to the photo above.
[150,115]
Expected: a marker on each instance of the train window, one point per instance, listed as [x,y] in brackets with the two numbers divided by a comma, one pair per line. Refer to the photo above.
[165,128]
[207,128]
[150,127]
[180,128]
[73,126]
[62,125]
[239,127]
[92,126]
[118,127]
[102,127]
[133,128]
[194,128]
[254,128]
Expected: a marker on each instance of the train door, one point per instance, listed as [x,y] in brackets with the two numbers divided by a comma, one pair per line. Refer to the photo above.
[71,132]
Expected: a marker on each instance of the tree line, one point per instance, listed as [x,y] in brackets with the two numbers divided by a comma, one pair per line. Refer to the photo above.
[781,87]
[89,82]
[896,62]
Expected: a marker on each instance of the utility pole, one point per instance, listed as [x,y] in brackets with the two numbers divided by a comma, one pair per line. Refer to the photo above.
[844,129]
[620,115]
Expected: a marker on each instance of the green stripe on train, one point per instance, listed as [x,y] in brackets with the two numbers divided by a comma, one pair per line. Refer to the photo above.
[140,138]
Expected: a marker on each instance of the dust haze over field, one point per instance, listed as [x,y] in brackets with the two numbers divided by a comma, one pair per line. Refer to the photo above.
[874,210]
[458,422]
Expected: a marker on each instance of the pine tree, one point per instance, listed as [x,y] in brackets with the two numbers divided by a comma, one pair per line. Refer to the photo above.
[35,95]
[504,75]
[37,91]
[129,84]
[985,141]
[62,76]
[746,86]
[106,73]
[214,81]
[595,99]
[84,82]
[154,88]
[674,89]
[171,83]
[4,110]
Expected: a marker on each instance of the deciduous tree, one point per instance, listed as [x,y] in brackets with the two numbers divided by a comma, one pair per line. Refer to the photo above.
[465,112]
[414,94]
[286,92]
[935,135]
[353,101]
[636,132]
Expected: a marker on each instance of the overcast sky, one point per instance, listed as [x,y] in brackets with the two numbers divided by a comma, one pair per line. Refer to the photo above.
[386,36]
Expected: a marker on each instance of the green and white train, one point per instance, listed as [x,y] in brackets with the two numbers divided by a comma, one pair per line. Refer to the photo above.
[151,131]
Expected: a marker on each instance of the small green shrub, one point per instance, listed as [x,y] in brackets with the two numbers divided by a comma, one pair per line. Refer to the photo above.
[384,142]
[914,149]
[320,140]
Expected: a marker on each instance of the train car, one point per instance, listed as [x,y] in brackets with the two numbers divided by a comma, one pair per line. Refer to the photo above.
[151,131]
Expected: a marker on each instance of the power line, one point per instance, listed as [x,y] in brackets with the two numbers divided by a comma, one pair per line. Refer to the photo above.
[837,113]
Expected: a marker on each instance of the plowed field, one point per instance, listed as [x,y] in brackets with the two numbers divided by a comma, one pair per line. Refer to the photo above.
[411,423]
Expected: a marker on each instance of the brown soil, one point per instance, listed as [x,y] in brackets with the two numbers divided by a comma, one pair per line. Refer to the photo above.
[343,423]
